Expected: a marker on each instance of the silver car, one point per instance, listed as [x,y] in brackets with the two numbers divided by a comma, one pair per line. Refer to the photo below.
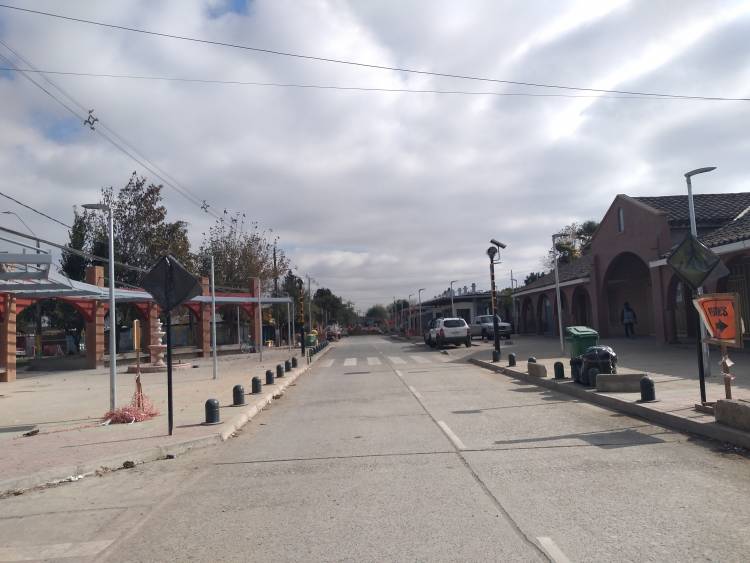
[483,326]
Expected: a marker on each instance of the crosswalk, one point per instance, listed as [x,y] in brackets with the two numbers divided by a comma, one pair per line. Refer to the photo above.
[376,361]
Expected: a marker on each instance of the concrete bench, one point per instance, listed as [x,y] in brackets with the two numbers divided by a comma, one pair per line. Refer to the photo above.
[619,383]
[734,413]
[537,370]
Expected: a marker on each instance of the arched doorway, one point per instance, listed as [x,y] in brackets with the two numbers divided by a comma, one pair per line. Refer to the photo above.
[528,324]
[682,314]
[545,315]
[738,281]
[581,307]
[628,280]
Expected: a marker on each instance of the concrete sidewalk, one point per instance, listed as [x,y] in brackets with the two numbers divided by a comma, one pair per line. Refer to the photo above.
[67,409]
[673,369]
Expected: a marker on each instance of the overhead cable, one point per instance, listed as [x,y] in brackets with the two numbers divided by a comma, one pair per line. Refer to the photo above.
[362,64]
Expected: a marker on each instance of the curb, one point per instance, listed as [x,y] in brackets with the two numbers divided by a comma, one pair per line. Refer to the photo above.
[65,474]
[713,431]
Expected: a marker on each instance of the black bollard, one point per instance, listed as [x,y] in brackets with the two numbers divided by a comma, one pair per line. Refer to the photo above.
[532,360]
[279,370]
[256,385]
[269,377]
[559,370]
[648,389]
[511,360]
[591,377]
[212,412]
[495,356]
[238,395]
[294,361]
[287,366]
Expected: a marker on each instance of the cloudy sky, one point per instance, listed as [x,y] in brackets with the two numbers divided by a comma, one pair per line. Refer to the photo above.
[376,194]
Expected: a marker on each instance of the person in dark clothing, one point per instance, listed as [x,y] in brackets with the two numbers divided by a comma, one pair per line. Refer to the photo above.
[628,319]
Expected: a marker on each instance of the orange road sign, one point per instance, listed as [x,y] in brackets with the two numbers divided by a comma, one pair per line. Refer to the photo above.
[721,316]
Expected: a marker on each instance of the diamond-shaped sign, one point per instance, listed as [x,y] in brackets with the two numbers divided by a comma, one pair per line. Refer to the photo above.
[693,261]
[170,283]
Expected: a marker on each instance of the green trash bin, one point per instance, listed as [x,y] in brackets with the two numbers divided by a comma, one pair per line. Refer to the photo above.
[581,338]
[311,339]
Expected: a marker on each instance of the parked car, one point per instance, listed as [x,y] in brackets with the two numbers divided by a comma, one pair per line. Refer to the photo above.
[483,326]
[448,331]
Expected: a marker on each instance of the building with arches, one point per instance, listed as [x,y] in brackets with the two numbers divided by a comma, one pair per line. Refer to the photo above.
[626,262]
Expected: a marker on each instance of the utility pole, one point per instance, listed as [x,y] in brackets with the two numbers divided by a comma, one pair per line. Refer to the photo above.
[513,285]
[309,303]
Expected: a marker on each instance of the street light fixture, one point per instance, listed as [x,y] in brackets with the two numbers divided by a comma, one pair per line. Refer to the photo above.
[112,312]
[557,290]
[419,296]
[492,252]
[704,365]
[453,310]
[408,332]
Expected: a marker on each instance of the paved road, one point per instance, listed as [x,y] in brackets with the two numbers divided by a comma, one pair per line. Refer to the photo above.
[391,451]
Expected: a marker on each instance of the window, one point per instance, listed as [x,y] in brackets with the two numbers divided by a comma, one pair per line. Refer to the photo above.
[453,323]
[620,220]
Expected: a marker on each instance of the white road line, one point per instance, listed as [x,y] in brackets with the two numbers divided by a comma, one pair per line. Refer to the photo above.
[53,551]
[350,362]
[453,438]
[373,361]
[416,393]
[554,552]
[401,375]
[420,359]
[396,360]
[326,363]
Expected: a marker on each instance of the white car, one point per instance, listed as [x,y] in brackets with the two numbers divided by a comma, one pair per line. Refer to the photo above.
[448,331]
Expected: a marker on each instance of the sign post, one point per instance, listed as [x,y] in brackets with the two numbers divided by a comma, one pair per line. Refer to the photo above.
[720,314]
[170,284]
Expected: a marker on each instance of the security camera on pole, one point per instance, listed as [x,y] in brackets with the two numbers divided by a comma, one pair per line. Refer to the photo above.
[493,252]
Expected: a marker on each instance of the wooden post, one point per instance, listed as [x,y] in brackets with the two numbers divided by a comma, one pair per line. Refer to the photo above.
[8,340]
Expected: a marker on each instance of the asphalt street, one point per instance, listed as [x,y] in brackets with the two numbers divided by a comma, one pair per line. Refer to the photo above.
[390,451]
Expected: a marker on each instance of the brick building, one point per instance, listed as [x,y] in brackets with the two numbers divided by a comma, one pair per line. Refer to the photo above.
[626,262]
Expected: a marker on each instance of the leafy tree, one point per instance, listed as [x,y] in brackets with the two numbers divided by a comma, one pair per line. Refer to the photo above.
[241,251]
[532,277]
[72,265]
[377,313]
[573,245]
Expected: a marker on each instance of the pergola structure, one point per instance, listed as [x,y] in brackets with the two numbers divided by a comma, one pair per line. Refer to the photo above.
[26,279]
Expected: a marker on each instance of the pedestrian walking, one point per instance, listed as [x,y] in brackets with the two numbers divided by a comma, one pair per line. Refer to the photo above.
[628,319]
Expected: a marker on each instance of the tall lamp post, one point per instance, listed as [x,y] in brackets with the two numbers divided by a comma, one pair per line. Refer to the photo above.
[112,311]
[557,290]
[453,310]
[408,331]
[704,367]
[419,296]
[492,252]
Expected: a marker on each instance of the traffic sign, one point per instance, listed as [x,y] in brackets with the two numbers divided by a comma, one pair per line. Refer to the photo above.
[722,317]
[693,261]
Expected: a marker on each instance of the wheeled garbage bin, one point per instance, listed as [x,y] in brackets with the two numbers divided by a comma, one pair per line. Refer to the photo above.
[581,338]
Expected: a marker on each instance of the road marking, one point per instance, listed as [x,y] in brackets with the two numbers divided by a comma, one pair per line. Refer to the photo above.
[350,362]
[53,551]
[396,360]
[401,375]
[326,363]
[420,359]
[554,552]
[373,361]
[453,438]
[416,393]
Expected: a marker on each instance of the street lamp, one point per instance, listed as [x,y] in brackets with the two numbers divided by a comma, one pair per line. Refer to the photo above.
[557,290]
[419,296]
[704,366]
[409,329]
[492,252]
[453,310]
[112,312]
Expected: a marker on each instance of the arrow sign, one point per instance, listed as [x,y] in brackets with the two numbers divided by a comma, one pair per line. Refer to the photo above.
[722,317]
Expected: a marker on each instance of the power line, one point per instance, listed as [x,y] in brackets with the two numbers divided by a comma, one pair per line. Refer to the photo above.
[361,64]
[135,155]
[330,87]
[35,210]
